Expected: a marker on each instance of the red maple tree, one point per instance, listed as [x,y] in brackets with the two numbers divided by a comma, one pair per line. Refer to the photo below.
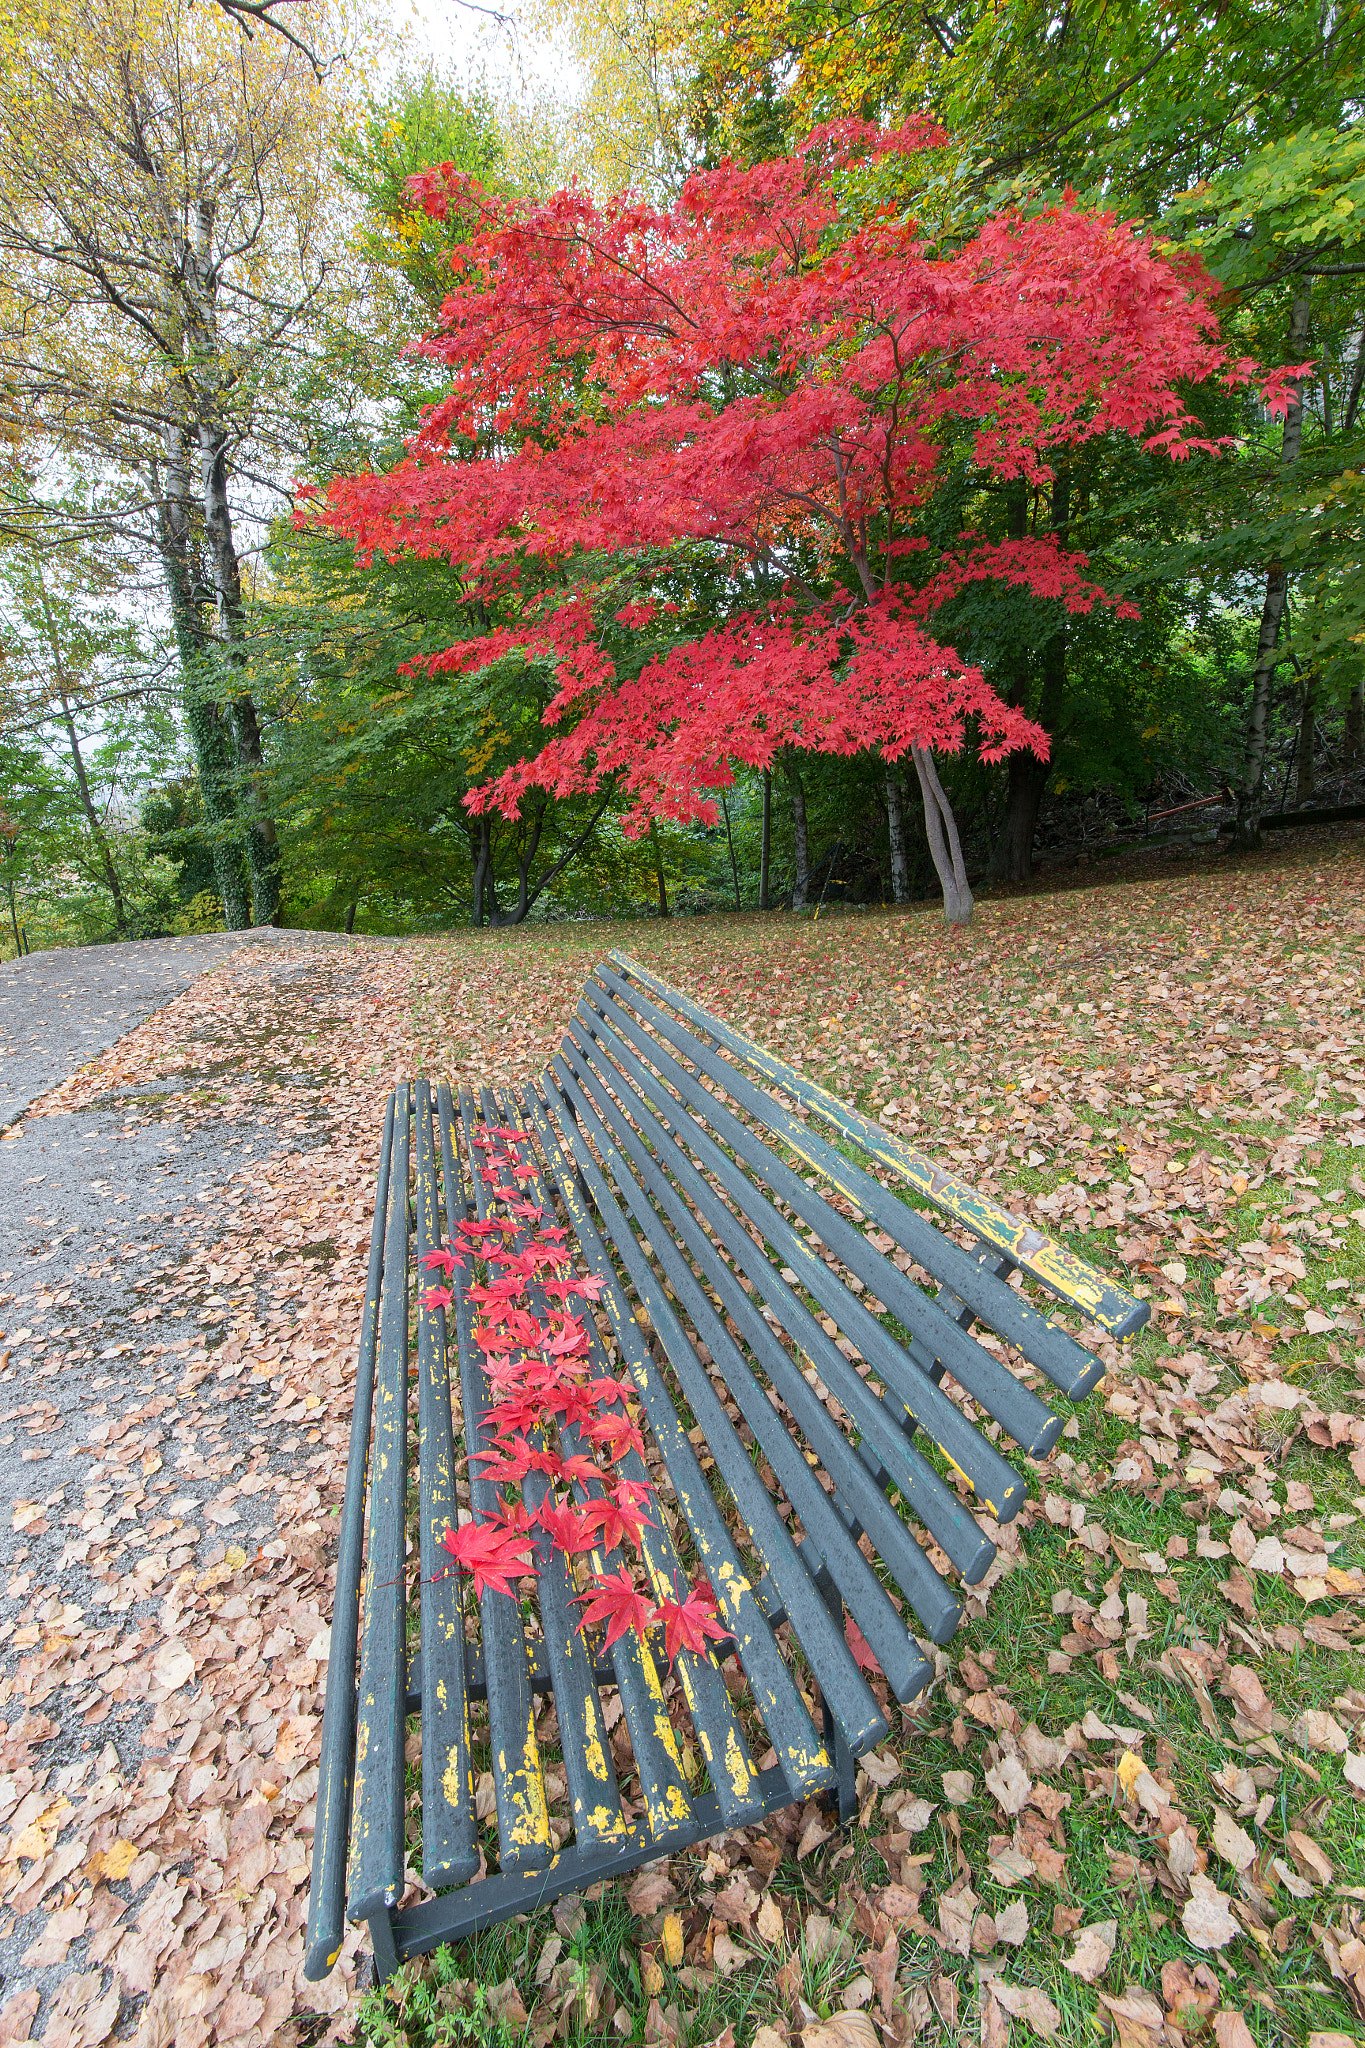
[775,368]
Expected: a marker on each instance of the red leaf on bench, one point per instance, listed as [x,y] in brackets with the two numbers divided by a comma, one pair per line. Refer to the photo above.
[446,1260]
[502,1469]
[687,1623]
[617,1522]
[615,1430]
[569,1342]
[437,1297]
[568,1529]
[617,1601]
[490,1551]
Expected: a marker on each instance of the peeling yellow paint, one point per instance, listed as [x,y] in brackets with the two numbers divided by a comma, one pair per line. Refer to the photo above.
[450,1782]
[736,1765]
[593,1754]
[531,1826]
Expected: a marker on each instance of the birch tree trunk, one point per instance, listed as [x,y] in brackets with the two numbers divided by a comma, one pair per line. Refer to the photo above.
[1252,778]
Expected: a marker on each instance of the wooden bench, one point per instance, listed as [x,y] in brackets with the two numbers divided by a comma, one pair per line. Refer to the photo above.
[804,1402]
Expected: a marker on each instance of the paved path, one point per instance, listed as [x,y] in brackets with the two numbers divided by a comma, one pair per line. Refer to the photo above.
[93,1207]
[59,1009]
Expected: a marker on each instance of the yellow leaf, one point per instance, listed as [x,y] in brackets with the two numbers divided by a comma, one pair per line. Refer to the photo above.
[673,1941]
[1130,1769]
[114,1862]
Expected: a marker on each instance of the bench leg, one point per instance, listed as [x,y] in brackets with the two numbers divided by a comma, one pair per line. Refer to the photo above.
[382,1945]
[845,1763]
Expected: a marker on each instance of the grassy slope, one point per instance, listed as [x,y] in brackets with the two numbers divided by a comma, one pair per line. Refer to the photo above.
[1169,1071]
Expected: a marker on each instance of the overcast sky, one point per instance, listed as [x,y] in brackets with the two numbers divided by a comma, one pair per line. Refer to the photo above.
[510,59]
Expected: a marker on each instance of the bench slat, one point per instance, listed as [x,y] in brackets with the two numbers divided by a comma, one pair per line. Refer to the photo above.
[590,1779]
[449,1851]
[805,1762]
[518,1777]
[331,1829]
[1018,1410]
[932,1600]
[1069,1366]
[377,1825]
[895,1649]
[990,1475]
[1046,1261]
[841,1682]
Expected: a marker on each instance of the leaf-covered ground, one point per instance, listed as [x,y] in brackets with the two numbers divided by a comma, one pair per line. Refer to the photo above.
[1134,1794]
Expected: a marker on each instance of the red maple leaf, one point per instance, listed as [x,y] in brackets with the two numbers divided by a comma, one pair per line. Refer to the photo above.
[616,1600]
[436,1297]
[617,1522]
[506,1467]
[687,1623]
[570,1340]
[441,1258]
[568,1529]
[492,1553]
[614,1430]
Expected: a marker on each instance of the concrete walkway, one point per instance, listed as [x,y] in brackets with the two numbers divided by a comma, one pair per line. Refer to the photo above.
[59,1009]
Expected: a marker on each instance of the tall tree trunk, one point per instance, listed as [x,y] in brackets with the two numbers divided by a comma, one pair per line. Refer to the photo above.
[659,881]
[93,819]
[351,908]
[262,843]
[945,848]
[1252,777]
[1028,776]
[730,837]
[1308,736]
[1012,860]
[765,852]
[483,861]
[1354,747]
[210,735]
[895,821]
[14,919]
[800,838]
[528,854]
